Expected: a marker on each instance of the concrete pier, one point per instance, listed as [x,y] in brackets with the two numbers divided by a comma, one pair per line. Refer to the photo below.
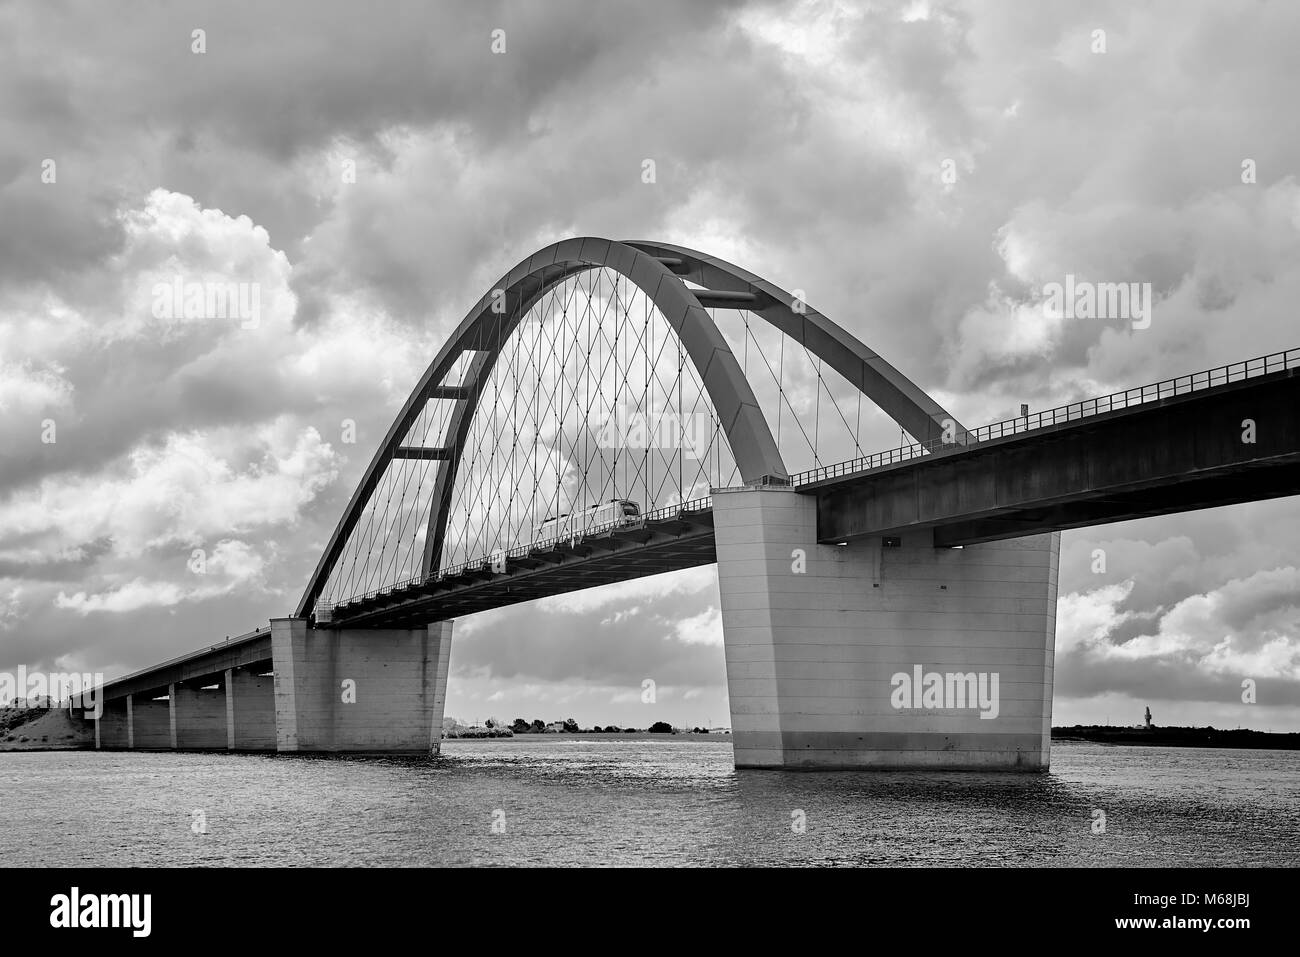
[817,637]
[112,728]
[200,714]
[250,709]
[152,724]
[359,689]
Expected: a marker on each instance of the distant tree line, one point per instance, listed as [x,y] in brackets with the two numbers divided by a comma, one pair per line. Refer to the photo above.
[538,726]
[495,728]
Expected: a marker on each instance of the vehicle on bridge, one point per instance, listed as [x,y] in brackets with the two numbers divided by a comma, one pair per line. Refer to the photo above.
[615,513]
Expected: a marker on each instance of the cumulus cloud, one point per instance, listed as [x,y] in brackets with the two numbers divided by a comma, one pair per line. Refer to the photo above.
[10,603]
[1204,644]
[181,493]
[232,565]
[25,390]
[702,629]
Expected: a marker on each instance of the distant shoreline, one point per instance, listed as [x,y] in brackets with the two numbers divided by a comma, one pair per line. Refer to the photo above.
[1180,737]
[1094,734]
[561,737]
[55,733]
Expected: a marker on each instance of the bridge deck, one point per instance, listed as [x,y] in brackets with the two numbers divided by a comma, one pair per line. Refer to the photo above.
[237,652]
[1176,454]
[658,546]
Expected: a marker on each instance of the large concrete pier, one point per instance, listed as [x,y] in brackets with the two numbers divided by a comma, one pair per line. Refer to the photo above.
[825,643]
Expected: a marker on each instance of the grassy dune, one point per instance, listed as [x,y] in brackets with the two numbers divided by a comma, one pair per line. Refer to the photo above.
[40,730]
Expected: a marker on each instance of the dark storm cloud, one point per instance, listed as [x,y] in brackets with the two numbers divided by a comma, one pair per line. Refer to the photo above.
[287,76]
[275,81]
[61,231]
[432,234]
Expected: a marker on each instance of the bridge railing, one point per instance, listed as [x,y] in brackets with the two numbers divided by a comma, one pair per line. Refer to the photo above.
[1086,408]
[522,551]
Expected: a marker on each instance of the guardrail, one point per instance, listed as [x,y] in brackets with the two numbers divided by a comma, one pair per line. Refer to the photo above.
[1140,395]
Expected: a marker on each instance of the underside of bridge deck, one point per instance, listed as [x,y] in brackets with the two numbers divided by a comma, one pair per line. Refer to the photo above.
[619,555]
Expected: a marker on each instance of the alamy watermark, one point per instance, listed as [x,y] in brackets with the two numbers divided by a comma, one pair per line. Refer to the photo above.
[48,688]
[692,432]
[1075,299]
[179,299]
[129,911]
[932,690]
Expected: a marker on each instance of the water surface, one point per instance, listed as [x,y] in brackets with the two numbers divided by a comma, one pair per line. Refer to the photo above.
[669,802]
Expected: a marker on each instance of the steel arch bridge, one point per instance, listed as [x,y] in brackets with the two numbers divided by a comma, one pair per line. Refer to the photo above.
[597,370]
[610,410]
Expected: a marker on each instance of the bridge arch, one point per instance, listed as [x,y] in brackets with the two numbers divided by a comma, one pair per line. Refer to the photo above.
[896,395]
[658,270]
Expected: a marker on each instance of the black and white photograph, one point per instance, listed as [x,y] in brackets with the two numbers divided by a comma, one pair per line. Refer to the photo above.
[599,436]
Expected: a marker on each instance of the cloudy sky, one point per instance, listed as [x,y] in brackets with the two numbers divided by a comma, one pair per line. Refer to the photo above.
[921,170]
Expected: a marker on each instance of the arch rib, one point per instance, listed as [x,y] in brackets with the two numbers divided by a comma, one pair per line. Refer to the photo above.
[900,398]
[752,445]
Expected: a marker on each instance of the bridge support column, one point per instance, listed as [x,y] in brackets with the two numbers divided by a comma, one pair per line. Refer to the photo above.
[226,680]
[151,723]
[250,708]
[340,689]
[171,714]
[113,726]
[130,721]
[830,649]
[199,715]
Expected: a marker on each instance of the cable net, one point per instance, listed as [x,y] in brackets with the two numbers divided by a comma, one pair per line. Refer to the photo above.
[587,406]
